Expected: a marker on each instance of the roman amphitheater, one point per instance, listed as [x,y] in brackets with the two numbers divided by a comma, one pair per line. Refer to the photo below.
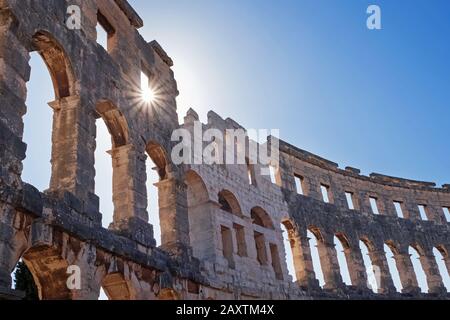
[222,225]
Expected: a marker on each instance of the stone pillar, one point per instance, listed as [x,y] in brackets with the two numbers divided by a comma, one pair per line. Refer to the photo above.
[406,272]
[304,269]
[73,148]
[173,214]
[14,74]
[431,269]
[356,267]
[382,272]
[329,264]
[130,195]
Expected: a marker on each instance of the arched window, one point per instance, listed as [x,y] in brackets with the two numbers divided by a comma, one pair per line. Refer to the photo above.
[261,218]
[38,125]
[418,269]
[372,281]
[200,223]
[440,254]
[341,245]
[115,287]
[289,247]
[313,238]
[390,252]
[111,134]
[229,203]
[156,168]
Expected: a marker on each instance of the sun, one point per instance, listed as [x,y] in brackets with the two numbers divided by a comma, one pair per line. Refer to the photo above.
[148,95]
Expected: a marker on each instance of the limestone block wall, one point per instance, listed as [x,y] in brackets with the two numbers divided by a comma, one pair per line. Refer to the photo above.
[221,231]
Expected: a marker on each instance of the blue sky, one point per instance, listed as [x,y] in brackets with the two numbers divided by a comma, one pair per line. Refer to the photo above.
[375,100]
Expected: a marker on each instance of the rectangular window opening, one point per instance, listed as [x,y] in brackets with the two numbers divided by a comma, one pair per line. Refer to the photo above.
[398,209]
[349,197]
[144,81]
[299,180]
[423,212]
[325,193]
[227,245]
[374,205]
[276,265]
[105,32]
[260,244]
[240,240]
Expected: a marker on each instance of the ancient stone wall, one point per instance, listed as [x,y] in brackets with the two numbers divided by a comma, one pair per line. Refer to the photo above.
[221,233]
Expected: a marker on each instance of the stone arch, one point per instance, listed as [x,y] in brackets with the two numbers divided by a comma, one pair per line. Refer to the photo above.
[416,253]
[201,225]
[315,239]
[441,257]
[114,171]
[115,122]
[173,213]
[343,252]
[159,157]
[65,105]
[49,270]
[261,218]
[368,250]
[228,202]
[58,63]
[196,188]
[116,287]
[391,251]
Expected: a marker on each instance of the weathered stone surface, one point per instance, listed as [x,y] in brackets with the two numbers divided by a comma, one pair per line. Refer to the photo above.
[221,232]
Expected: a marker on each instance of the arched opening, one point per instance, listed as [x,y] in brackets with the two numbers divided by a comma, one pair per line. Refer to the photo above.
[418,269]
[342,245]
[51,78]
[372,281]
[111,134]
[157,171]
[290,244]
[440,255]
[313,237]
[200,224]
[390,252]
[229,203]
[49,270]
[261,218]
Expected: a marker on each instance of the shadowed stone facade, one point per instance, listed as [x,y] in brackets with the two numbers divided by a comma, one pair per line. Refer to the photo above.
[221,233]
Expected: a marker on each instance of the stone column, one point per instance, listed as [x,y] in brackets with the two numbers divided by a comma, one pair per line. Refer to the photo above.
[301,252]
[356,267]
[73,148]
[329,264]
[406,272]
[130,195]
[382,272]
[14,74]
[431,269]
[173,214]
